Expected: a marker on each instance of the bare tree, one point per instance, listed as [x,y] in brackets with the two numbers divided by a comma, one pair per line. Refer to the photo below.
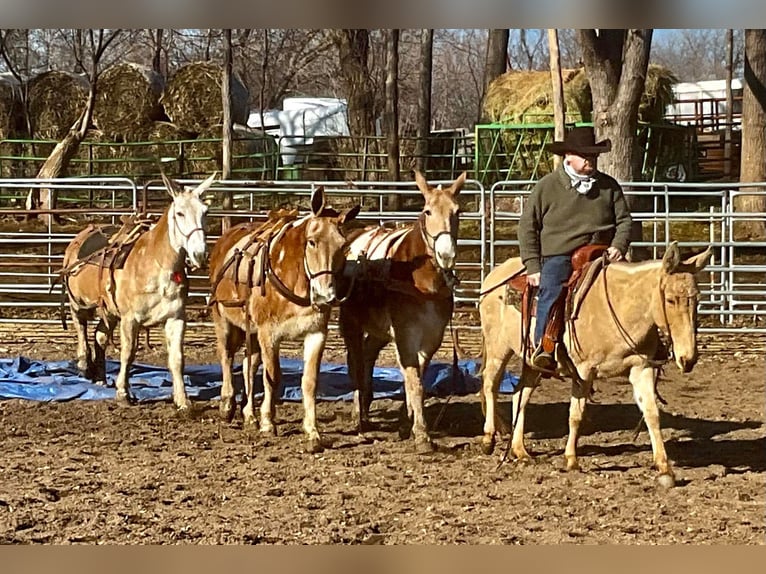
[424,97]
[616,62]
[694,55]
[497,57]
[753,128]
[353,53]
[98,42]
[391,115]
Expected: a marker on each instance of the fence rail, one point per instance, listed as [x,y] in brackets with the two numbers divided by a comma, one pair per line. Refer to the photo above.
[696,215]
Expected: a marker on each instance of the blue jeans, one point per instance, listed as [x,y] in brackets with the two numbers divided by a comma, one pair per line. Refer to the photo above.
[553,276]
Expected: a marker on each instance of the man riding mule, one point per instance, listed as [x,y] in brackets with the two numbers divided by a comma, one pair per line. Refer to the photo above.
[137,277]
[616,330]
[573,206]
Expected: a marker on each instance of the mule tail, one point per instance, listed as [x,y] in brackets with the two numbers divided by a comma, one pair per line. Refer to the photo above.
[62,301]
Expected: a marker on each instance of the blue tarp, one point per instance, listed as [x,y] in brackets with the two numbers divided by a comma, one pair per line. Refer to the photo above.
[23,378]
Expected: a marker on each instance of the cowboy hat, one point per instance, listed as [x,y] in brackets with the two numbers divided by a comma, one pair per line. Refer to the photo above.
[581,141]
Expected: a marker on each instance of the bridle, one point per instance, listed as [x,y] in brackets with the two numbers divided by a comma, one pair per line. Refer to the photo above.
[450,278]
[186,236]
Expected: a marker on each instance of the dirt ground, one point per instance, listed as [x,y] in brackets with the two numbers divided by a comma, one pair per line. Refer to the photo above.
[94,473]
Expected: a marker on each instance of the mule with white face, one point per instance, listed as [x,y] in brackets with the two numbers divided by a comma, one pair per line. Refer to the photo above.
[149,288]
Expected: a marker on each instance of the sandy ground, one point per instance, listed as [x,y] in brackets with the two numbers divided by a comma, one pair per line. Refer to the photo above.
[94,472]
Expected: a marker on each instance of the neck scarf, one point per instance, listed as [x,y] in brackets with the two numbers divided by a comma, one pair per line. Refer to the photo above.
[581,183]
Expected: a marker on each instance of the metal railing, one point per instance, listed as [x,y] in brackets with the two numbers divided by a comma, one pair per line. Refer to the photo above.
[696,215]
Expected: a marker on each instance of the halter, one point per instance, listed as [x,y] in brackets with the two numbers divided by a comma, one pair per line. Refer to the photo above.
[285,291]
[448,275]
[186,236]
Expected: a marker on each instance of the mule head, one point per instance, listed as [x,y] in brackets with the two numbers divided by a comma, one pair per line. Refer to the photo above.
[676,311]
[186,220]
[439,219]
[324,249]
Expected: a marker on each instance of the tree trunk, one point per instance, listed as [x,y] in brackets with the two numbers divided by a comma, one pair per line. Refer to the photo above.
[353,52]
[228,198]
[391,117]
[496,61]
[753,131]
[424,98]
[616,62]
[559,105]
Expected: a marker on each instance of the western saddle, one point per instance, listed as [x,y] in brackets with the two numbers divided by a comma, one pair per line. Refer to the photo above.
[586,262]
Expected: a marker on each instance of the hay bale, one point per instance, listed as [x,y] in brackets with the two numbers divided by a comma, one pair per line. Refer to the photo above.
[526,97]
[128,102]
[254,154]
[168,143]
[55,101]
[658,94]
[192,97]
[11,111]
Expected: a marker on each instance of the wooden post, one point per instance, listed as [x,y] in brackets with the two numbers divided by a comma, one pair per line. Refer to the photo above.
[228,200]
[559,106]
[727,147]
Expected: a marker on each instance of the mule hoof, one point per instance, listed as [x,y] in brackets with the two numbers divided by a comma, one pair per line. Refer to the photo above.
[404,432]
[488,445]
[572,464]
[124,400]
[666,480]
[425,446]
[269,430]
[314,446]
[227,409]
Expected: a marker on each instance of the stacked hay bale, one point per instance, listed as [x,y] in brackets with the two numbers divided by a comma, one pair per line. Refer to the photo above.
[11,124]
[192,98]
[55,100]
[254,154]
[128,102]
[526,97]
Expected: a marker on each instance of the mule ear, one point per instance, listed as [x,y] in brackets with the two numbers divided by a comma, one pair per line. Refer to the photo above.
[171,185]
[459,183]
[672,258]
[699,262]
[317,200]
[421,182]
[203,187]
[349,214]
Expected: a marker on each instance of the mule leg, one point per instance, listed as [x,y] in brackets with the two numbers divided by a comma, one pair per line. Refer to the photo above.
[313,347]
[128,345]
[175,329]
[226,339]
[101,336]
[271,377]
[528,381]
[413,364]
[577,404]
[643,381]
[493,367]
[250,365]
[353,338]
[80,319]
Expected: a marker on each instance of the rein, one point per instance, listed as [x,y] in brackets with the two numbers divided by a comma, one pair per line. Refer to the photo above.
[624,332]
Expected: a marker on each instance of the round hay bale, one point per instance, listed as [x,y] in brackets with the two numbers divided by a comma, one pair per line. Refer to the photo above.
[192,97]
[526,97]
[168,143]
[254,153]
[11,111]
[55,100]
[128,101]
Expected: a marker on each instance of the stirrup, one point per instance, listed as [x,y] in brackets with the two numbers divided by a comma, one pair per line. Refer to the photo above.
[543,361]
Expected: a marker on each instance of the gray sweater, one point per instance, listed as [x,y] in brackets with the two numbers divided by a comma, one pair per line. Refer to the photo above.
[557,219]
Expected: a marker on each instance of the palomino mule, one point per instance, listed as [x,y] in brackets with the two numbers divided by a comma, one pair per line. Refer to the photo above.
[616,332]
[403,291]
[148,287]
[272,282]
